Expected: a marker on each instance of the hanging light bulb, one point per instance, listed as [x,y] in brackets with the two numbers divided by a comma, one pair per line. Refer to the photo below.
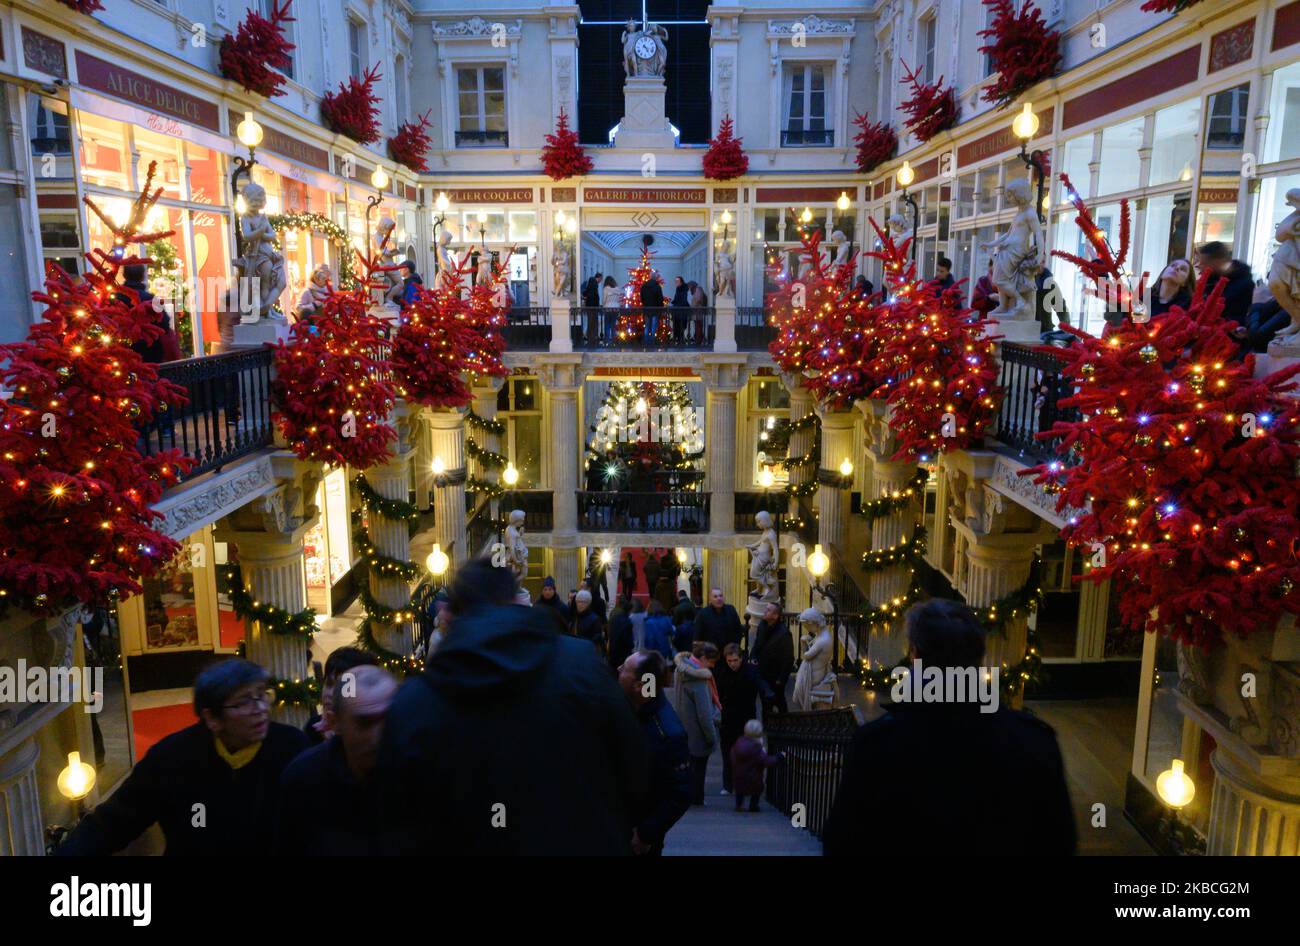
[765,478]
[439,467]
[843,203]
[846,467]
[76,781]
[818,563]
[437,562]
[1174,787]
[1025,125]
[510,475]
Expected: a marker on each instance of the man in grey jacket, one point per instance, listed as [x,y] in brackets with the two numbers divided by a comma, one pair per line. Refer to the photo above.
[699,709]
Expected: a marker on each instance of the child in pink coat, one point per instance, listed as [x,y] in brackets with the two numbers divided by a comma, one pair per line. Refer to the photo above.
[749,760]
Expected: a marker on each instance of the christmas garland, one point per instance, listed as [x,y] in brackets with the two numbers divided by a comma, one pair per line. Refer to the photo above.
[274,620]
[377,613]
[486,458]
[887,505]
[495,427]
[386,566]
[317,223]
[907,552]
[489,489]
[388,508]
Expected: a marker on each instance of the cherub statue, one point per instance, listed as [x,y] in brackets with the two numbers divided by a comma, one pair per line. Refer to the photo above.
[898,229]
[763,560]
[842,248]
[1284,274]
[387,253]
[815,683]
[724,274]
[260,259]
[446,259]
[516,551]
[1016,262]
[560,271]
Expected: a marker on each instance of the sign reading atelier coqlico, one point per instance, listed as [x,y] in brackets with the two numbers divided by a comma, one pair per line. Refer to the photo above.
[95,73]
[643,195]
[491,195]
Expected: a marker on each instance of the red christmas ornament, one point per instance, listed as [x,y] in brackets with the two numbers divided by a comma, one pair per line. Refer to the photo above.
[1022,50]
[332,390]
[76,523]
[354,109]
[562,155]
[83,6]
[932,107]
[411,143]
[1183,493]
[876,143]
[259,43]
[725,158]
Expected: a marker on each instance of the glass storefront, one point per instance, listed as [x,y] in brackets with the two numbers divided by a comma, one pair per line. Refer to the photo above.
[327,546]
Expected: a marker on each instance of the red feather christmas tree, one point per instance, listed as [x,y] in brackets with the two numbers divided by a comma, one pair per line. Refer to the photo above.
[631,323]
[1186,473]
[1022,50]
[248,54]
[354,109]
[725,158]
[809,313]
[932,107]
[411,143]
[876,143]
[1168,6]
[83,6]
[332,393]
[562,155]
[76,523]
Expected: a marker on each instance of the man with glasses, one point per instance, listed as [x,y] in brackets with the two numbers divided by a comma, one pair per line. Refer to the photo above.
[214,786]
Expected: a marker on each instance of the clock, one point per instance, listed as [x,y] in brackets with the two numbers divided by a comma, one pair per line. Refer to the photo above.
[645,48]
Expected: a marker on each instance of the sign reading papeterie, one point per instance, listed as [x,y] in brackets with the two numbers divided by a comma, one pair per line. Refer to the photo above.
[643,195]
[95,73]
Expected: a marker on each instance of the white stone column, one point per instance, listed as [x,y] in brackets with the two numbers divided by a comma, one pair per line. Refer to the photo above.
[997,565]
[485,406]
[890,478]
[722,574]
[723,381]
[1253,814]
[801,404]
[22,831]
[562,381]
[833,501]
[448,428]
[724,338]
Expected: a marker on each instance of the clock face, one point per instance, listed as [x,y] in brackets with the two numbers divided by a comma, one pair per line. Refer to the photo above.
[645,47]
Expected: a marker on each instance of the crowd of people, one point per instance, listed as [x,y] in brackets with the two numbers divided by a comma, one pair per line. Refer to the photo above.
[523,737]
[604,300]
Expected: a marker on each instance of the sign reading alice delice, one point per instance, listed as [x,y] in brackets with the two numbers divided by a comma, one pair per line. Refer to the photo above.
[95,73]
[643,195]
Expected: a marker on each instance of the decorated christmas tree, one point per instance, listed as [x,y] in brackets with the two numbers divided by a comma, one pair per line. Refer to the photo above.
[83,6]
[354,109]
[931,107]
[645,432]
[333,398]
[725,158]
[631,323]
[1022,50]
[876,143]
[411,143]
[256,55]
[562,156]
[808,310]
[76,523]
[168,284]
[1180,473]
[1168,6]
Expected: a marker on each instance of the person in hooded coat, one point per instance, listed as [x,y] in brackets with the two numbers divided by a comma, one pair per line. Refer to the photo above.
[514,741]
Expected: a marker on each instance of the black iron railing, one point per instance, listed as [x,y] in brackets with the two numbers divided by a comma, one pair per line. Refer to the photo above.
[661,328]
[750,503]
[816,747]
[528,328]
[228,414]
[538,506]
[481,139]
[807,137]
[480,531]
[643,512]
[1033,385]
[753,333]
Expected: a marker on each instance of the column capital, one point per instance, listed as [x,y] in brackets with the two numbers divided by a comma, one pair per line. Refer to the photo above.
[446,418]
[560,375]
[281,517]
[723,374]
[836,420]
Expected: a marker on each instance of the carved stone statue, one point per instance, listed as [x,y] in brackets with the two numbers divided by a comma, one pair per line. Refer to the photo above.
[815,684]
[842,248]
[318,290]
[724,274]
[560,271]
[260,260]
[763,560]
[1017,262]
[446,259]
[387,254]
[1284,274]
[645,50]
[516,551]
[898,229]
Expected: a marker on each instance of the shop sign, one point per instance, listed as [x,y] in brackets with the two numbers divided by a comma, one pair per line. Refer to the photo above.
[643,195]
[491,195]
[635,371]
[102,76]
[999,142]
[797,195]
[295,149]
[1217,195]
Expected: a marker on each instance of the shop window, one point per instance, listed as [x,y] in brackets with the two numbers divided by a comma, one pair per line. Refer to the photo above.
[1076,155]
[1283,137]
[51,132]
[171,617]
[167,154]
[1168,218]
[105,157]
[1071,282]
[1013,169]
[491,228]
[481,106]
[1121,164]
[804,124]
[523,226]
[1173,146]
[965,195]
[1226,128]
[768,455]
[525,394]
[771,395]
[986,191]
[207,176]
[1270,209]
[327,546]
[1216,222]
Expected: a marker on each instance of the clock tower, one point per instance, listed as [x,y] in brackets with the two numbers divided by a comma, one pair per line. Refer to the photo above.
[644,124]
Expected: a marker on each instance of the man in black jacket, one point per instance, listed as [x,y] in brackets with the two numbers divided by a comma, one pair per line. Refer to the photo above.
[621,637]
[773,654]
[514,740]
[956,779]
[642,678]
[328,801]
[739,690]
[213,787]
[1239,286]
[719,624]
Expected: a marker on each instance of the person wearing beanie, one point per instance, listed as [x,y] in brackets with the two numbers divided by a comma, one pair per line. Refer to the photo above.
[558,610]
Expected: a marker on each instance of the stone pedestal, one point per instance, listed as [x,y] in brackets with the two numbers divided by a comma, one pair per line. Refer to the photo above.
[259,333]
[644,125]
[1282,353]
[561,333]
[22,831]
[724,339]
[1024,330]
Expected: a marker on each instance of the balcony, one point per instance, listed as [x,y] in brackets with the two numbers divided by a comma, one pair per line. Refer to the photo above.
[679,511]
[482,139]
[749,503]
[228,415]
[1031,378]
[807,137]
[665,328]
[528,328]
[753,331]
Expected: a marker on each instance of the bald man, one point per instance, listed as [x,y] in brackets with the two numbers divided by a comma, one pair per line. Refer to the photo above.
[327,796]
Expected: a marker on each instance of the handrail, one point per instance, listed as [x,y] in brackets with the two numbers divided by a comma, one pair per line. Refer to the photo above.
[1033,385]
[668,511]
[816,746]
[527,328]
[663,328]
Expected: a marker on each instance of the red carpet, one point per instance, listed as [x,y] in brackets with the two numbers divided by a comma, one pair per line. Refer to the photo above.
[231,628]
[151,725]
[639,555]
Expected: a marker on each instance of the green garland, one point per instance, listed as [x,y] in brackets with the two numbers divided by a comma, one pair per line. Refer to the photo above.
[385,566]
[393,662]
[304,693]
[486,458]
[907,552]
[272,619]
[887,505]
[388,508]
[496,428]
[801,489]
[489,489]
[317,223]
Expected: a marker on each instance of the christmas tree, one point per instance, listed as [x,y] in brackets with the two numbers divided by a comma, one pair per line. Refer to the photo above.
[644,432]
[332,393]
[354,109]
[631,323]
[876,143]
[76,523]
[83,6]
[411,143]
[256,55]
[725,158]
[1021,50]
[931,107]
[1168,6]
[808,311]
[168,284]
[1185,472]
[562,156]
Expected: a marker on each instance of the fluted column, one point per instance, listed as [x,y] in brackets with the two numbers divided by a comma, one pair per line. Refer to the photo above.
[890,479]
[997,565]
[723,381]
[485,406]
[833,501]
[801,405]
[274,572]
[448,430]
[723,574]
[392,538]
[22,830]
[1251,814]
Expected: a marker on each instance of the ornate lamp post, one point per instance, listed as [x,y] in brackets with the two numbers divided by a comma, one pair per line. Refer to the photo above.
[249,133]
[905,176]
[819,564]
[379,181]
[440,204]
[1024,127]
